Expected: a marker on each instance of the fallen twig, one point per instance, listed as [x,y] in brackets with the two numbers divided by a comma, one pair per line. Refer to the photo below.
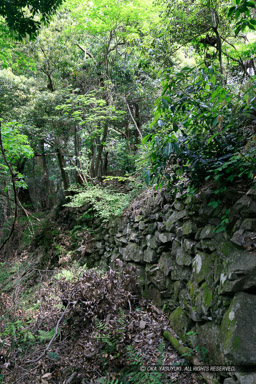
[52,339]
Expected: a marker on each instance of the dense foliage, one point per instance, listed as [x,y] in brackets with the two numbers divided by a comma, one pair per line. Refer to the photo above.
[97,99]
[125,90]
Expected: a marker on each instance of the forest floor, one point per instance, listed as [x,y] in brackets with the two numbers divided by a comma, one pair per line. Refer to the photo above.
[68,324]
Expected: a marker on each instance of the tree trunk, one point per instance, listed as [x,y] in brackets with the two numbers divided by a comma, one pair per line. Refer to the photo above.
[64,176]
[98,172]
[93,158]
[138,122]
[45,197]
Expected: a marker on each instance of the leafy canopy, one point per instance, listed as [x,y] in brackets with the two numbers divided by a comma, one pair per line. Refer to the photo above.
[25,16]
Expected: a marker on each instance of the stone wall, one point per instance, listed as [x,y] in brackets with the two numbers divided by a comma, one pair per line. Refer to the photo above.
[205,279]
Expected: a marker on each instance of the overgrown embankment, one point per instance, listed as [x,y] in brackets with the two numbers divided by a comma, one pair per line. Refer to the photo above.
[196,259]
[61,322]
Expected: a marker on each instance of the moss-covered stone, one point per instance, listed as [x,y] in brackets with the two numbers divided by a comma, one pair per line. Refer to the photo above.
[207,341]
[180,323]
[207,295]
[180,273]
[192,290]
[166,263]
[238,330]
[207,232]
[183,258]
[176,216]
[188,228]
[202,267]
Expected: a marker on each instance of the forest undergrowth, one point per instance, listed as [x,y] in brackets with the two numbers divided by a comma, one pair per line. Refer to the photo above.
[61,322]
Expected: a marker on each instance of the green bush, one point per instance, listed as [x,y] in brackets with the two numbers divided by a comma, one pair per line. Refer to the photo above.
[199,131]
[102,202]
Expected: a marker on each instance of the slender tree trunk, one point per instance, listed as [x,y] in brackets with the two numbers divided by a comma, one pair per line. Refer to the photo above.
[64,176]
[127,133]
[138,122]
[45,199]
[215,22]
[105,164]
[93,158]
[98,172]
[79,179]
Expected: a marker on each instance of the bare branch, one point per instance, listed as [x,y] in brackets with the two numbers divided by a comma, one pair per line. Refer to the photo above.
[134,121]
[52,339]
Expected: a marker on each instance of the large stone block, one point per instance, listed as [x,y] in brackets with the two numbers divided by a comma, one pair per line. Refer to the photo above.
[238,330]
[202,267]
[132,253]
[166,264]
[207,232]
[151,241]
[207,342]
[165,237]
[150,255]
[176,216]
[240,274]
[183,258]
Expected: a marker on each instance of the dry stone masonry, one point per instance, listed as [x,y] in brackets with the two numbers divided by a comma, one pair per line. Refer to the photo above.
[207,280]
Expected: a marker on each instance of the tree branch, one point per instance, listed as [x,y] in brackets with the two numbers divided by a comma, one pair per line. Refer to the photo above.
[134,121]
[52,339]
[85,52]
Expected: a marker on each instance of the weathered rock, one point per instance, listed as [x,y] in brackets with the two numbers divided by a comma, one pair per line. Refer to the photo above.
[183,258]
[244,239]
[175,246]
[240,274]
[226,250]
[188,228]
[245,205]
[249,225]
[177,287]
[207,232]
[151,241]
[165,264]
[204,299]
[238,237]
[127,229]
[229,381]
[121,240]
[150,255]
[161,226]
[189,245]
[238,330]
[132,253]
[207,245]
[157,278]
[138,218]
[208,341]
[184,299]
[178,206]
[202,267]
[166,237]
[152,293]
[142,225]
[179,273]
[151,228]
[176,216]
[195,269]
[180,322]
[245,378]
